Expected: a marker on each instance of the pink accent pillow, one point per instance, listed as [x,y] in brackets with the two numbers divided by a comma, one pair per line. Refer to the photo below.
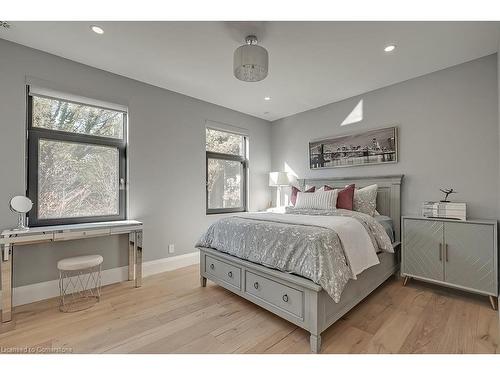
[345,197]
[295,191]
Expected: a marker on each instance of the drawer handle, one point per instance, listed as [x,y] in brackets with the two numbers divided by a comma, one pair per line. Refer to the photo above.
[230,274]
[212,266]
[285,297]
[256,285]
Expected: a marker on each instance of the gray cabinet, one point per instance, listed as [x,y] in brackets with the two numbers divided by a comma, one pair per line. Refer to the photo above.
[470,259]
[459,254]
[424,255]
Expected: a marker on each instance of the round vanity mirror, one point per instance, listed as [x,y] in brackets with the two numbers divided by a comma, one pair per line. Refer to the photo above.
[21,205]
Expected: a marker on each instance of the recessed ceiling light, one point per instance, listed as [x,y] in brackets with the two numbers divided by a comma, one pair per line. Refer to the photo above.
[97,29]
[390,48]
[267,98]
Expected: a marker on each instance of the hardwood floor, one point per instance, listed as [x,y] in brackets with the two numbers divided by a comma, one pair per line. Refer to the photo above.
[171,313]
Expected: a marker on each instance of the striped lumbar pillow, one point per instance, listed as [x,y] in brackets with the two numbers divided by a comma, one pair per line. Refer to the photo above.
[320,200]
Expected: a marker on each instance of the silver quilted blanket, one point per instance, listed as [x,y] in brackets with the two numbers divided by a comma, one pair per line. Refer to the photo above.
[312,252]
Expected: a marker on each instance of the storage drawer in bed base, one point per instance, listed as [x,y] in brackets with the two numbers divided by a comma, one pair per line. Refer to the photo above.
[276,294]
[225,272]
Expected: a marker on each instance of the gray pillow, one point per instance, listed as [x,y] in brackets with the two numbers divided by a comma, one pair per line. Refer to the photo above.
[365,200]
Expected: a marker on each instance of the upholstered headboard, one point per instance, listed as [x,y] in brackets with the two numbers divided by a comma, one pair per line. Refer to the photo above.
[388,196]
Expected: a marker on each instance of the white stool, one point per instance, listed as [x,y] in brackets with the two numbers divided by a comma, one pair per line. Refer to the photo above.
[79,282]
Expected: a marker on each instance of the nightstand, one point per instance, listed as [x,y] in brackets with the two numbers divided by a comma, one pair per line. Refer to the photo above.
[454,253]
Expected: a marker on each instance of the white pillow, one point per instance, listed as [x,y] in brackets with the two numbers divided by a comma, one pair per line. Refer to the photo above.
[365,200]
[320,200]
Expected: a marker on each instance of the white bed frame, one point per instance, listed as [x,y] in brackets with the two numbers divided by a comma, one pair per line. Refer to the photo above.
[298,299]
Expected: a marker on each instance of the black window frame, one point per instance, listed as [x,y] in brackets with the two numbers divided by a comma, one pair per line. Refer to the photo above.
[34,134]
[243,159]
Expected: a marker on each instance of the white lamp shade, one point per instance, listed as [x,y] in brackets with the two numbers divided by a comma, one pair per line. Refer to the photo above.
[280,178]
[250,63]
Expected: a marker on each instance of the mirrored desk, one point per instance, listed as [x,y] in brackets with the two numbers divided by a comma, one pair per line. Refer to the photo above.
[10,239]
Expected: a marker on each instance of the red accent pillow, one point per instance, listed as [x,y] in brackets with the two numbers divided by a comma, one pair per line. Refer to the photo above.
[345,197]
[295,191]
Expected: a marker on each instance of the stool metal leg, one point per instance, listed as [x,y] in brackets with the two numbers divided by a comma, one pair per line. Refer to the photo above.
[99,281]
[61,295]
[79,288]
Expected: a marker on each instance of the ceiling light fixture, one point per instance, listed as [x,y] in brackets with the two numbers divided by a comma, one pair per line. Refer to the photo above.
[390,48]
[250,63]
[267,98]
[97,29]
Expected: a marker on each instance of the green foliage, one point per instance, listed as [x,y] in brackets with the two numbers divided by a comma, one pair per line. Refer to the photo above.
[76,180]
[76,118]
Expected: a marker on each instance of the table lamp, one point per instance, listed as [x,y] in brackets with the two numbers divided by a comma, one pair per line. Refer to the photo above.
[279,179]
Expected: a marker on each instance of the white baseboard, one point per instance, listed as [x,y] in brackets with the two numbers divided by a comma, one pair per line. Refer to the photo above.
[169,264]
[49,289]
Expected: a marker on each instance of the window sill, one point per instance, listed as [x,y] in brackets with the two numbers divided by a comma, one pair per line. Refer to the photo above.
[225,212]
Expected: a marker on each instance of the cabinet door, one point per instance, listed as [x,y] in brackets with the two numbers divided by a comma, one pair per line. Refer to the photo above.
[470,260]
[422,248]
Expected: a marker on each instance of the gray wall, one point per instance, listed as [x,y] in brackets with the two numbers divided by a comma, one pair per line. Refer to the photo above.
[167,158]
[448,135]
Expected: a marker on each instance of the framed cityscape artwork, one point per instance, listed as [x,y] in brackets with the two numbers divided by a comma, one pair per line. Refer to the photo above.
[378,146]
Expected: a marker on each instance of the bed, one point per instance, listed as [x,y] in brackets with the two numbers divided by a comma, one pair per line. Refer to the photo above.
[314,306]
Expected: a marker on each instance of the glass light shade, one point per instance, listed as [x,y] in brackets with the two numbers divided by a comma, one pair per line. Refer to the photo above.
[280,179]
[250,63]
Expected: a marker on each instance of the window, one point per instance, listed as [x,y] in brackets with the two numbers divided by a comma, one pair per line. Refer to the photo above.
[227,166]
[76,162]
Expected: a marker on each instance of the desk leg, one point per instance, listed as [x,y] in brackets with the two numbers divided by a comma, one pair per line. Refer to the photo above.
[6,275]
[138,258]
[131,256]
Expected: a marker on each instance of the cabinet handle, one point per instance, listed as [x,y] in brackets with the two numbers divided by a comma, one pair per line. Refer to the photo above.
[256,285]
[212,266]
[440,252]
[446,252]
[285,297]
[230,274]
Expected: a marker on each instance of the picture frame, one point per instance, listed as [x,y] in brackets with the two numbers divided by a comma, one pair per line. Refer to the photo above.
[370,147]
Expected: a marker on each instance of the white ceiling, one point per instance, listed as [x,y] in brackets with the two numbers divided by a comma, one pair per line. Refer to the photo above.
[310,63]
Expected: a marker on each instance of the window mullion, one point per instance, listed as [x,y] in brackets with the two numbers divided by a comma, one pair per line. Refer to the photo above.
[77,138]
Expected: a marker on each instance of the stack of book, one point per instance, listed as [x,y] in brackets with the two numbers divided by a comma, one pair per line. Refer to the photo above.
[445,210]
